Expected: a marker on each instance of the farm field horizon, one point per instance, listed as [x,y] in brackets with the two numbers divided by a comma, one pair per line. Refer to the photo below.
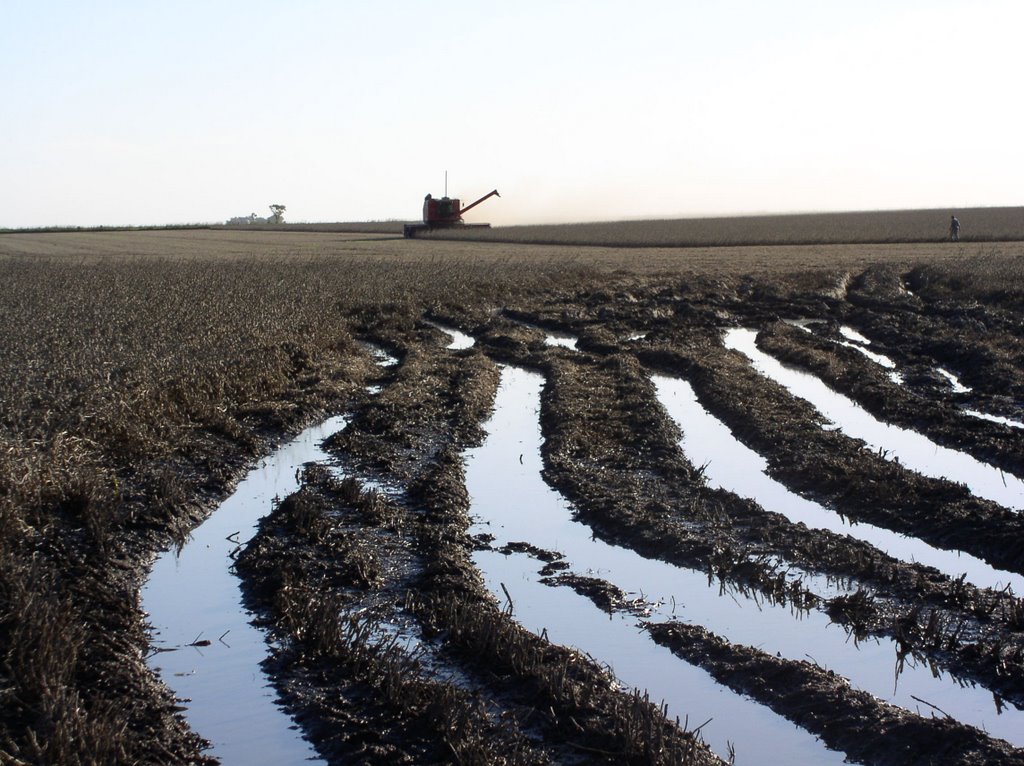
[145,372]
[980,224]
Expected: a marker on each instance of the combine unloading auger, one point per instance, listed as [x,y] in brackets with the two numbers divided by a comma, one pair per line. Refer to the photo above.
[445,213]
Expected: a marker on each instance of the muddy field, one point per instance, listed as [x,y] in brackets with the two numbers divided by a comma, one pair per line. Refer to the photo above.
[144,372]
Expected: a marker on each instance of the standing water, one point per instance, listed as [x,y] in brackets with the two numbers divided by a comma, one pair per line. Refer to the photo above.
[459,339]
[857,342]
[194,597]
[911,449]
[995,418]
[508,467]
[731,465]
[954,382]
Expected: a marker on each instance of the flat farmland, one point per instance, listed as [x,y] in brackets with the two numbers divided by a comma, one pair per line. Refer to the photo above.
[144,373]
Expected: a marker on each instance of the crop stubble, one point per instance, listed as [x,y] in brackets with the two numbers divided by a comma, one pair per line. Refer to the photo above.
[141,371]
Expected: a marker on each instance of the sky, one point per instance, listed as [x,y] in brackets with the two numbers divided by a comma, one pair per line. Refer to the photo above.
[146,113]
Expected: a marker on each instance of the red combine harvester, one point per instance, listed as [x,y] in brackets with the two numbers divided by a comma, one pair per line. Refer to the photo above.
[445,213]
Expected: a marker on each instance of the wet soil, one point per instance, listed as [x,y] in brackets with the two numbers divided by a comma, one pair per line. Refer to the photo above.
[114,710]
[919,406]
[386,646]
[867,730]
[660,507]
[613,451]
[453,676]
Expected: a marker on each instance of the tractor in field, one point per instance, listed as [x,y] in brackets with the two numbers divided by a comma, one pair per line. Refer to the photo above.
[445,213]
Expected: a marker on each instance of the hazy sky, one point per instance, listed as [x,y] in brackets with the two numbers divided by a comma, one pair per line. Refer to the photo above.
[155,112]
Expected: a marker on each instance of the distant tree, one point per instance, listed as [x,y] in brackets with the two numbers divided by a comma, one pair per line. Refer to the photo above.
[278,214]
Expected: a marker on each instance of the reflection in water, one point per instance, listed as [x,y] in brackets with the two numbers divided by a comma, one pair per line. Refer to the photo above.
[853,335]
[731,465]
[553,338]
[511,502]
[879,359]
[858,344]
[195,596]
[911,449]
[560,339]
[996,419]
[954,381]
[379,354]
[614,640]
[459,341]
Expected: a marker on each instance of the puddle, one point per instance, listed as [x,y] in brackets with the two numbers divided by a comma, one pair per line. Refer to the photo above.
[995,418]
[954,381]
[195,596]
[911,449]
[880,359]
[560,339]
[551,337]
[731,465]
[614,640]
[851,334]
[381,356]
[857,342]
[459,341]
[511,502]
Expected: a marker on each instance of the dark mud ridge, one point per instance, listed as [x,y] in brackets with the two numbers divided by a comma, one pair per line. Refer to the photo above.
[386,646]
[75,687]
[858,724]
[389,649]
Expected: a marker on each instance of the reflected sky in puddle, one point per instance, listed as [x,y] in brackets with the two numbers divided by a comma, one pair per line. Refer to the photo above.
[460,340]
[511,502]
[381,356]
[551,337]
[954,381]
[879,359]
[560,339]
[853,335]
[995,419]
[731,465]
[614,640]
[957,386]
[195,595]
[857,342]
[911,449]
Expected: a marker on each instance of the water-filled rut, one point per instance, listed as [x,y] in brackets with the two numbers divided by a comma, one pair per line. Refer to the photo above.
[911,449]
[511,501]
[210,655]
[729,464]
[508,466]
[193,597]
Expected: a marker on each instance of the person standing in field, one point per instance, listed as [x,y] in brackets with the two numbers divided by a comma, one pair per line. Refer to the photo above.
[954,229]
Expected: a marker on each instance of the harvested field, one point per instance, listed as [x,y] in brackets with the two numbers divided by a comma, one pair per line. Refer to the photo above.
[893,226]
[143,373]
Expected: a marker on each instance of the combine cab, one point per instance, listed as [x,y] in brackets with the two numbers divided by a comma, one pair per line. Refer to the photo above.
[445,213]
